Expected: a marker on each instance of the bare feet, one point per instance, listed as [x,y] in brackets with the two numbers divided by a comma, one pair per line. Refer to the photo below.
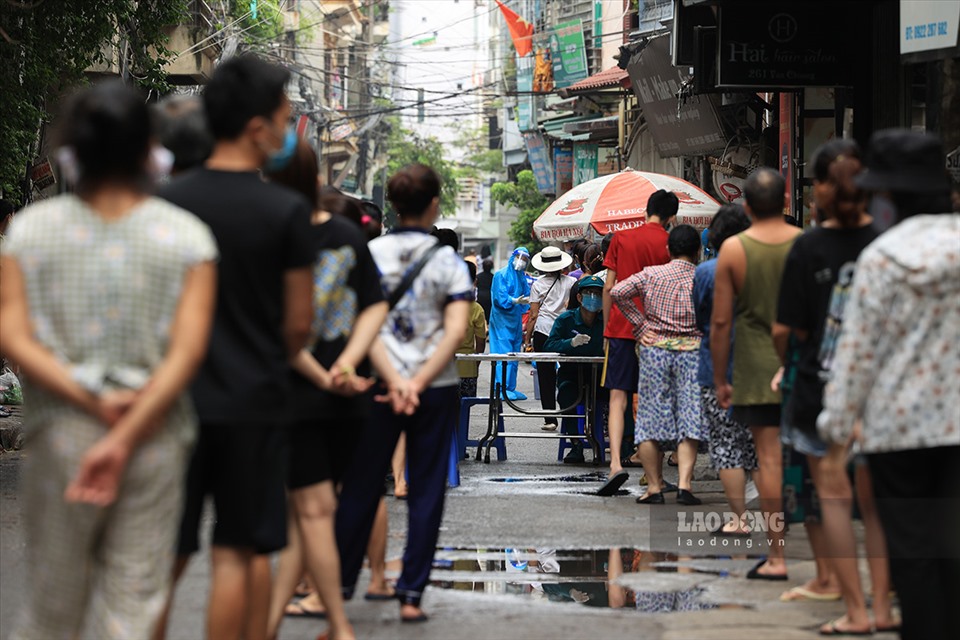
[400,490]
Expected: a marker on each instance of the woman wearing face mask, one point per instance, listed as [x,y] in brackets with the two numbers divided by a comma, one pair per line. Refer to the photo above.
[548,298]
[816,280]
[510,292]
[107,303]
[592,266]
[577,332]
[413,356]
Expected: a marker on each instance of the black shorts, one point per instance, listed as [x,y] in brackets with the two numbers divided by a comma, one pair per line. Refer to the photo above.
[243,468]
[621,369]
[322,450]
[757,415]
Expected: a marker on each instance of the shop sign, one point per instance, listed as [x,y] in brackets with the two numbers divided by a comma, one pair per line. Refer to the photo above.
[688,129]
[563,164]
[41,175]
[927,25]
[341,131]
[953,165]
[539,158]
[584,163]
[770,44]
[526,113]
[569,53]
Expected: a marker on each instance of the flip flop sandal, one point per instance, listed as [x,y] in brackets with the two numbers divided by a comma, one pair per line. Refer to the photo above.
[802,594]
[613,483]
[834,630]
[754,574]
[296,610]
[420,618]
[630,463]
[379,597]
[720,533]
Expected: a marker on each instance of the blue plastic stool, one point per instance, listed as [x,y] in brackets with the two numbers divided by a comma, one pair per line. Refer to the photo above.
[453,464]
[463,440]
[564,443]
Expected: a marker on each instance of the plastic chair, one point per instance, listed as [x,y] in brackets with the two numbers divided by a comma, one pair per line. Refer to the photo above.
[463,440]
[564,443]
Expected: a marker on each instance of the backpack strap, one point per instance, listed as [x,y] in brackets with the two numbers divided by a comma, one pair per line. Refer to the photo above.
[411,275]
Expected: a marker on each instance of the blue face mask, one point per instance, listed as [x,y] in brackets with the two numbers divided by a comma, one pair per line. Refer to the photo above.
[277,160]
[592,302]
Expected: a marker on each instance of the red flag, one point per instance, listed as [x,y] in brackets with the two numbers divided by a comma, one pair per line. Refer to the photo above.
[520,30]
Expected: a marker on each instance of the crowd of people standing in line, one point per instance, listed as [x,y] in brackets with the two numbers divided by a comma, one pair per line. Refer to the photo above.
[245,284]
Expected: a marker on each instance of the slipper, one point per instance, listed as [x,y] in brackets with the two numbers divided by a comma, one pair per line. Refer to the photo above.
[719,532]
[630,463]
[4,413]
[671,462]
[613,483]
[296,610]
[754,574]
[379,597]
[834,630]
[894,628]
[420,618]
[802,594]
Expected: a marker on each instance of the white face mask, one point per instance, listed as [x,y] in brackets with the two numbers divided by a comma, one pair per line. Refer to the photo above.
[69,167]
[519,264]
[159,164]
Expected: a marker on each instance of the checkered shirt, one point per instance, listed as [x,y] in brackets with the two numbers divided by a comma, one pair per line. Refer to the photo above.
[666,292]
[102,294]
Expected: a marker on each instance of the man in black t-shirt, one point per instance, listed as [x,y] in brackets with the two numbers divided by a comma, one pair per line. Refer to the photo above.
[263,317]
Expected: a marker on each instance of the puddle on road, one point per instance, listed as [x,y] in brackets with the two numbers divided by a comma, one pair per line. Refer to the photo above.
[594,476]
[593,578]
[598,477]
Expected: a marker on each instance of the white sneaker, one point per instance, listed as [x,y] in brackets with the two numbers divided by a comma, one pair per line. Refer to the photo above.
[548,426]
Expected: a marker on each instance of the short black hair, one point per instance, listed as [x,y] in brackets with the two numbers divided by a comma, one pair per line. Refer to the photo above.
[472,268]
[447,237]
[605,243]
[684,241]
[488,264]
[182,128]
[412,189]
[108,127]
[241,89]
[663,204]
[765,193]
[729,220]
[828,152]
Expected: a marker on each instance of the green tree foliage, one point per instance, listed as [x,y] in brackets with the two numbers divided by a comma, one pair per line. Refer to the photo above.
[45,46]
[407,147]
[523,195]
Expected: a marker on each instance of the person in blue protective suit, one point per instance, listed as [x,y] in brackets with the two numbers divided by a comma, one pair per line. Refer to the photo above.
[510,293]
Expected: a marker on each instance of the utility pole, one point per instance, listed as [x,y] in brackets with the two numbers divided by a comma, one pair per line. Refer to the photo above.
[363,161]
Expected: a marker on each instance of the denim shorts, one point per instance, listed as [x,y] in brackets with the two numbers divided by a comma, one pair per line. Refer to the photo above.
[808,444]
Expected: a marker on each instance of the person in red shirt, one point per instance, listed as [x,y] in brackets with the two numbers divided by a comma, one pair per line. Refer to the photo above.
[630,252]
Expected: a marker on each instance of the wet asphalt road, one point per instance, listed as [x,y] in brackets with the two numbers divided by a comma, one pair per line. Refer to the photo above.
[483,517]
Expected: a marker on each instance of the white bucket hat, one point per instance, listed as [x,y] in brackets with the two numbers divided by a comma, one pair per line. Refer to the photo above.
[551,259]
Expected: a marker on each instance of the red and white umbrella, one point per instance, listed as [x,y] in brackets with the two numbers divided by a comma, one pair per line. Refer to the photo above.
[617,202]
